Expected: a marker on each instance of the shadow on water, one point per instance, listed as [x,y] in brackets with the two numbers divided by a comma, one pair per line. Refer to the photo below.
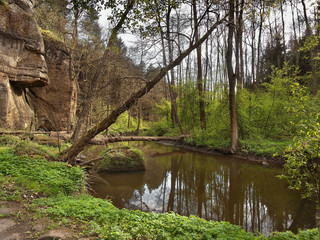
[214,187]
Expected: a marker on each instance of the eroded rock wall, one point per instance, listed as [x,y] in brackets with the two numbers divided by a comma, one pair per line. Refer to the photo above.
[55,104]
[22,63]
[27,98]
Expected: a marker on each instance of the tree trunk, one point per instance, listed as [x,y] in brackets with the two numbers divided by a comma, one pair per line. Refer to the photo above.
[259,45]
[139,116]
[239,32]
[313,68]
[296,45]
[102,63]
[232,83]
[253,52]
[174,111]
[70,154]
[283,32]
[199,70]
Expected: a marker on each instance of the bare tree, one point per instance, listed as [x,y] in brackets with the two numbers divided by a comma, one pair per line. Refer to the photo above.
[102,63]
[70,154]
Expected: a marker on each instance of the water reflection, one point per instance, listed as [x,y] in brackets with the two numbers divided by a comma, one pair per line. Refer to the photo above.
[213,187]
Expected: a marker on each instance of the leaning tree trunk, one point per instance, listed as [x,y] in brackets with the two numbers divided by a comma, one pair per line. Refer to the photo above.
[70,154]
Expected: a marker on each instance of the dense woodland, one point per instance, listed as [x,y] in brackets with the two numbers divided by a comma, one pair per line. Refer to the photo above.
[241,75]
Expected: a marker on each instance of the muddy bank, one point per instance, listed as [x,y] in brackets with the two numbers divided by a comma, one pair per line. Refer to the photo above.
[252,157]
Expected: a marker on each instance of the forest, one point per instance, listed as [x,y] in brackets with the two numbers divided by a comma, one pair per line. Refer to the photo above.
[237,77]
[249,86]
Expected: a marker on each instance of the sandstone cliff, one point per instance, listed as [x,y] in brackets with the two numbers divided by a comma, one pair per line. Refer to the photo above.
[27,97]
[55,104]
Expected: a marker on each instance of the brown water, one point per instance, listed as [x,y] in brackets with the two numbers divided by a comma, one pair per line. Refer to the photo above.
[220,188]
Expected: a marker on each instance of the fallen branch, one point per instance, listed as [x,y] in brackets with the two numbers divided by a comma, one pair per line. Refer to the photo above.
[90,161]
[18,132]
[99,140]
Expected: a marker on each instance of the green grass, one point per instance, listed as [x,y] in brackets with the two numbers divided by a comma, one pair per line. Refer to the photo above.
[34,172]
[264,147]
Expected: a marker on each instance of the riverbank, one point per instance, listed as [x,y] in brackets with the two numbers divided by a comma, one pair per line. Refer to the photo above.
[265,159]
[53,193]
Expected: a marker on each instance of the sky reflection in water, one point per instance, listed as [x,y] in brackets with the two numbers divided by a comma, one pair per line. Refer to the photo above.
[220,188]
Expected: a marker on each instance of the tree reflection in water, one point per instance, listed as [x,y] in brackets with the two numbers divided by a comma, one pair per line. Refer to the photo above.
[221,188]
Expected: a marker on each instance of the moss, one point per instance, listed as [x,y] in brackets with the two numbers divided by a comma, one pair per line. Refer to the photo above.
[122,158]
[3,3]
[46,140]
[49,34]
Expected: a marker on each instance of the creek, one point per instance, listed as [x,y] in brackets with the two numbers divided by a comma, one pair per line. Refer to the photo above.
[213,187]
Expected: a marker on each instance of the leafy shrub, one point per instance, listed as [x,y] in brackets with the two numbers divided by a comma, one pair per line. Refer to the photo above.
[121,125]
[302,167]
[309,234]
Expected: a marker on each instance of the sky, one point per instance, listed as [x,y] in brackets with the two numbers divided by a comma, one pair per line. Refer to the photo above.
[128,38]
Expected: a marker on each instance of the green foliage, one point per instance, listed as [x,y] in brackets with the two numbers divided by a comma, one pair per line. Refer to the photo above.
[208,139]
[112,223]
[159,128]
[51,178]
[162,127]
[309,234]
[262,113]
[9,190]
[264,147]
[302,168]
[126,224]
[121,125]
[21,147]
[310,44]
[9,140]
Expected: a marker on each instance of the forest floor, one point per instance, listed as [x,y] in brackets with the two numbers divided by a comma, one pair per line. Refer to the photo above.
[17,222]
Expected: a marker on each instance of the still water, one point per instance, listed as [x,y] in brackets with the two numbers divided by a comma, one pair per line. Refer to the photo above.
[214,187]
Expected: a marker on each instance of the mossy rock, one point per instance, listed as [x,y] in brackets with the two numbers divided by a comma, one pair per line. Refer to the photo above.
[46,140]
[121,159]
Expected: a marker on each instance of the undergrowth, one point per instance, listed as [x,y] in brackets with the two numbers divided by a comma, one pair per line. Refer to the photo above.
[128,224]
[98,218]
[24,161]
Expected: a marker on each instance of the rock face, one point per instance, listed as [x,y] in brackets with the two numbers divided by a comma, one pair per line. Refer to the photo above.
[25,88]
[55,104]
[22,62]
